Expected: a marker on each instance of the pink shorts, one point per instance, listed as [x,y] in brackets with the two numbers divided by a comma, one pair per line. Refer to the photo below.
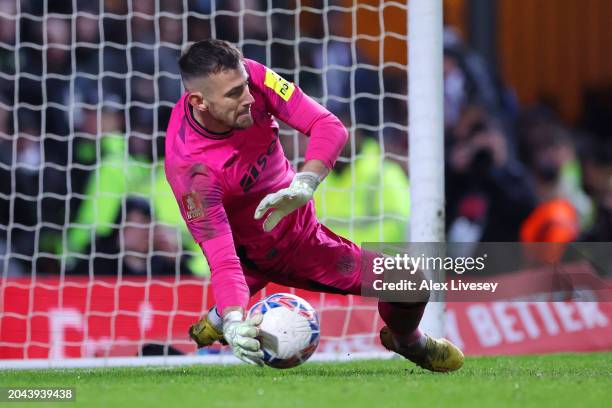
[321,261]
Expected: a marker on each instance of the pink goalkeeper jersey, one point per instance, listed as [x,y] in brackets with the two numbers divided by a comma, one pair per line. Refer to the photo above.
[220,179]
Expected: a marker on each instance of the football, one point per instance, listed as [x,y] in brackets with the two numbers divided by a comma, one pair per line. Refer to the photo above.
[289,332]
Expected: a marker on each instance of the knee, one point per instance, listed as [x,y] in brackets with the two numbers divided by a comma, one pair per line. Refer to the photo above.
[419,291]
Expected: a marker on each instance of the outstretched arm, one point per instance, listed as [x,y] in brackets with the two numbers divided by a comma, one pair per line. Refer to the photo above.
[327,138]
[199,194]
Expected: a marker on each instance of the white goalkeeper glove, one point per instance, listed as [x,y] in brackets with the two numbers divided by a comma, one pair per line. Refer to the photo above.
[241,337]
[287,200]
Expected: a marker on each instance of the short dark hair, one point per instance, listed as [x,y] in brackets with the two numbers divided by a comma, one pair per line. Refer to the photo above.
[208,57]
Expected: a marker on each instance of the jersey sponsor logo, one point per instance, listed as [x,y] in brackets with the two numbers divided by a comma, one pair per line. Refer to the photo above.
[278,84]
[192,206]
[248,179]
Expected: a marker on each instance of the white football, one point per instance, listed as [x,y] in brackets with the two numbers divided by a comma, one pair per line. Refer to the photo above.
[289,332]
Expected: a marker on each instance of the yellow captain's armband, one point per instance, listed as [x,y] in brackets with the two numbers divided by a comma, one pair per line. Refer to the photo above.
[281,86]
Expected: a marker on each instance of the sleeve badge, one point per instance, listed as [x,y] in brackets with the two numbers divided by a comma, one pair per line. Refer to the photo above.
[192,206]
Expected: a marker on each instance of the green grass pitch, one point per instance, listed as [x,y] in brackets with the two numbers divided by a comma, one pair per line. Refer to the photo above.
[560,380]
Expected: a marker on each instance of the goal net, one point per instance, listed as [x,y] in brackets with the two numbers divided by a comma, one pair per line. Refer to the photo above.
[96,265]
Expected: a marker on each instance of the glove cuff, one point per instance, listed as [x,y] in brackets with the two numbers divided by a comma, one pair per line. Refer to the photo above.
[215,319]
[307,180]
[232,317]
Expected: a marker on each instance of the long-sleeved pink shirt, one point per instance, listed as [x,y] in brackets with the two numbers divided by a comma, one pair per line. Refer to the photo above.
[219,179]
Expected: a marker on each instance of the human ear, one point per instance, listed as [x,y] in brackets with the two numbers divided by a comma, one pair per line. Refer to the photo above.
[196,99]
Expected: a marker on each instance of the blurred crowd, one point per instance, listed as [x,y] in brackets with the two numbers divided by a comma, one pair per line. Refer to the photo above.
[85,96]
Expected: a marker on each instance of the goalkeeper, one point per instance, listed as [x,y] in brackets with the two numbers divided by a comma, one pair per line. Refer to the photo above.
[252,215]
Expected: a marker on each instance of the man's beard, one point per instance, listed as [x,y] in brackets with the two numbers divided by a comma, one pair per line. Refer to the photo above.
[243,123]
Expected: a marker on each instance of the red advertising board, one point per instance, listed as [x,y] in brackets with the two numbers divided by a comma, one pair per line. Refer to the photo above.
[49,318]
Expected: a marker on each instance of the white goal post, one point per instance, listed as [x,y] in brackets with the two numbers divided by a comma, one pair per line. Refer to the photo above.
[85,92]
[426,132]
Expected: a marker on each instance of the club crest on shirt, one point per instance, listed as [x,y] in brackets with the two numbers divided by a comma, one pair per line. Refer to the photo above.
[192,205]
